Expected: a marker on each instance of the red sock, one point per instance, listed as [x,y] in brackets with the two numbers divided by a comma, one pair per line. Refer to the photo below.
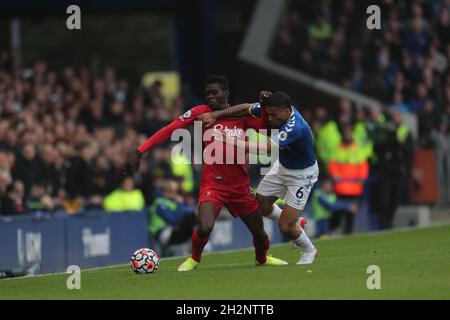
[197,246]
[261,250]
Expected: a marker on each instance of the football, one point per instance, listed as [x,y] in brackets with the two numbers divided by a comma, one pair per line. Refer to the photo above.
[144,261]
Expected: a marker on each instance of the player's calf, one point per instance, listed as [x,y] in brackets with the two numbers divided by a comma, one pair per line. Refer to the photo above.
[289,226]
[261,244]
[204,230]
[288,223]
[301,222]
[289,229]
[206,219]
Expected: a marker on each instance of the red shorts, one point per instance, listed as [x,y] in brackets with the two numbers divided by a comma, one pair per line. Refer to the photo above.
[238,204]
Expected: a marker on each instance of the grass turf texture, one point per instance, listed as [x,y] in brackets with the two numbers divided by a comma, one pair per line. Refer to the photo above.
[415,264]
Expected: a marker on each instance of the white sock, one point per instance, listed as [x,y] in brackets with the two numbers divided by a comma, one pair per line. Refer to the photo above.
[304,242]
[276,213]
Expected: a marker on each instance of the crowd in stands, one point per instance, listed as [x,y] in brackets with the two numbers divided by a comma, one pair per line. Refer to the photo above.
[65,137]
[405,64]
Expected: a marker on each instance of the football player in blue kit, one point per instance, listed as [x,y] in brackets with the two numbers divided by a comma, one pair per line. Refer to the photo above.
[293,174]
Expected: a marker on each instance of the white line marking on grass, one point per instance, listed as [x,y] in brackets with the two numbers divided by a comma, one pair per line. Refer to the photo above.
[397,230]
[127,264]
[383,232]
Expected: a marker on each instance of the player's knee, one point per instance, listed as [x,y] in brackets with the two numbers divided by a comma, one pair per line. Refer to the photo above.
[265,209]
[204,229]
[285,227]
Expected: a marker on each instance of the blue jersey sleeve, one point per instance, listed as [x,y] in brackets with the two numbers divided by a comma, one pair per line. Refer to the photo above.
[286,136]
[255,110]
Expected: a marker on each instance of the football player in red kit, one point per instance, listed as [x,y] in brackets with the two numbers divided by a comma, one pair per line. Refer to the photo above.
[222,184]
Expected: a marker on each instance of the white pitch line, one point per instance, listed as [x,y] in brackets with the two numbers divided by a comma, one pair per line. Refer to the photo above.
[126,264]
[397,230]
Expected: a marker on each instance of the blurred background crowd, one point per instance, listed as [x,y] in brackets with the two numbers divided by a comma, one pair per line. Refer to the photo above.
[405,65]
[65,137]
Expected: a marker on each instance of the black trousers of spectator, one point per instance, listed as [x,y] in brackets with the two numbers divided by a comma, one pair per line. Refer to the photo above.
[336,220]
[386,195]
[182,232]
[346,215]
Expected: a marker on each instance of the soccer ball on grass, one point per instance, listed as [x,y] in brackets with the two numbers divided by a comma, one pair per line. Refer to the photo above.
[144,261]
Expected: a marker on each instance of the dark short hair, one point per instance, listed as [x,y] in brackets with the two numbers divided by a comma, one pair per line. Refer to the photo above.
[279,100]
[220,80]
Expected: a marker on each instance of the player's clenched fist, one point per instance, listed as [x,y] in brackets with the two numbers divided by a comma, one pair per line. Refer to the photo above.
[263,95]
[133,162]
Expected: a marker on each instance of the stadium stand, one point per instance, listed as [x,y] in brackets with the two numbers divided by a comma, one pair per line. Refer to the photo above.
[65,136]
[405,66]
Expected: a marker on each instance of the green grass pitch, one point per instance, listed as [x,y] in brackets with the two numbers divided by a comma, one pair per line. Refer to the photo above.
[414,264]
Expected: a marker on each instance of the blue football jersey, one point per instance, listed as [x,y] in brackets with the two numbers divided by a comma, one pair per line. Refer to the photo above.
[294,139]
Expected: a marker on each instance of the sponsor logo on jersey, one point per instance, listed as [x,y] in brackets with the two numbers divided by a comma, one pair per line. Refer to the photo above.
[230,132]
[186,115]
[282,135]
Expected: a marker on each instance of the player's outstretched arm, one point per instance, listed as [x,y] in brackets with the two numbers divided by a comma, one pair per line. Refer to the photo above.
[239,110]
[133,162]
[161,136]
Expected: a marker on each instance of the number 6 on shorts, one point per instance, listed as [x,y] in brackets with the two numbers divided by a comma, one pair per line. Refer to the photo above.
[299,193]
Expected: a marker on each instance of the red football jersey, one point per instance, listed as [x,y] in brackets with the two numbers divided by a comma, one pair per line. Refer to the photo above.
[232,177]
